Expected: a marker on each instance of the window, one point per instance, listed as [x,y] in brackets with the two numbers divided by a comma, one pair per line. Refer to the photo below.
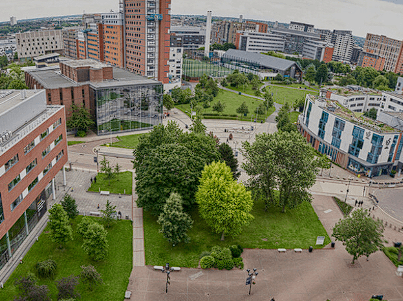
[47,168]
[60,138]
[308,113]
[322,124]
[33,184]
[46,151]
[358,141]
[57,123]
[376,149]
[10,163]
[338,128]
[14,182]
[392,147]
[44,134]
[1,211]
[16,202]
[31,166]
[59,155]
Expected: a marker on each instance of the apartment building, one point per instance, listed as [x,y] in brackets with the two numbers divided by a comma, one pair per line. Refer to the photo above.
[386,49]
[70,35]
[301,26]
[33,149]
[317,50]
[367,59]
[343,45]
[113,38]
[175,62]
[35,43]
[192,38]
[295,39]
[259,42]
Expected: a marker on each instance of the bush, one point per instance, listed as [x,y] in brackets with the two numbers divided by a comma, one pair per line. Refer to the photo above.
[228,264]
[221,254]
[238,262]
[240,248]
[30,290]
[90,276]
[235,251]
[204,253]
[220,264]
[81,134]
[46,269]
[66,287]
[82,227]
[207,262]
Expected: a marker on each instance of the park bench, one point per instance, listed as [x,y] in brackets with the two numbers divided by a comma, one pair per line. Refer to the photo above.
[282,250]
[128,294]
[94,213]
[104,193]
[160,268]
[298,250]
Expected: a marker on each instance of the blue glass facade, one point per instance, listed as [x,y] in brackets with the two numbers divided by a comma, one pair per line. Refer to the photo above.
[338,128]
[376,149]
[358,141]
[322,124]
[399,149]
[328,150]
[308,113]
[392,147]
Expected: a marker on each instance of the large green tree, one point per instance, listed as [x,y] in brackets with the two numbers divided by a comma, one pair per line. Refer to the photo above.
[283,119]
[381,83]
[310,74]
[322,74]
[96,242]
[80,119]
[70,206]
[108,214]
[224,204]
[282,161]
[174,222]
[227,155]
[243,109]
[168,102]
[360,234]
[60,229]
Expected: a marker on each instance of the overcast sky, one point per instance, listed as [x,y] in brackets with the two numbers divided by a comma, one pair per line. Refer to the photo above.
[361,16]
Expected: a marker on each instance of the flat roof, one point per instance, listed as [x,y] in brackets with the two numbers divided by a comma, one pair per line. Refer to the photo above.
[394,94]
[296,32]
[12,98]
[46,56]
[261,59]
[85,63]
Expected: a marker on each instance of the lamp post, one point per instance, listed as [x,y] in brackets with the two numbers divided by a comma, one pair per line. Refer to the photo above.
[348,186]
[97,151]
[167,270]
[251,278]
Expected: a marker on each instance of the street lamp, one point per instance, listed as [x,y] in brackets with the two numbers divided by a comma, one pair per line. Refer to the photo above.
[167,270]
[348,186]
[97,151]
[251,278]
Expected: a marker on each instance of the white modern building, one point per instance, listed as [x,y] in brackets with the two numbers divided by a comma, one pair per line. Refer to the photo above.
[357,102]
[301,26]
[13,21]
[8,47]
[315,50]
[35,43]
[175,68]
[343,45]
[260,42]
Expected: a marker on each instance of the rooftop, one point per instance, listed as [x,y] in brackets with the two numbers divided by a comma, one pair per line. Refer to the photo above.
[12,98]
[261,59]
[46,56]
[394,94]
[296,32]
[85,63]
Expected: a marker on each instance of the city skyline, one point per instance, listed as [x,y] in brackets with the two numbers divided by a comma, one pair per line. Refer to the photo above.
[360,16]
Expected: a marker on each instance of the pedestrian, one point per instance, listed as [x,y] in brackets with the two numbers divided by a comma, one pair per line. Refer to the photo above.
[356,203]
[362,202]
[120,214]
[91,180]
[95,179]
[98,206]
[373,208]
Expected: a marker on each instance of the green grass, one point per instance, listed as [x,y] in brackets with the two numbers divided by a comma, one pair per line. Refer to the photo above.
[232,102]
[297,228]
[129,141]
[196,68]
[294,116]
[115,269]
[344,207]
[74,142]
[392,254]
[247,89]
[299,86]
[118,184]
[282,95]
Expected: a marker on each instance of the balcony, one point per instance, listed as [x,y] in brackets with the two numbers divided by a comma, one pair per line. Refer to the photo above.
[154,17]
[151,44]
[151,3]
[150,56]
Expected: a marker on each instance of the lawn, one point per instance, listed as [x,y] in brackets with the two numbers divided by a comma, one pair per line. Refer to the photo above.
[282,95]
[196,68]
[232,102]
[247,89]
[129,141]
[294,116]
[115,269]
[297,228]
[74,142]
[122,183]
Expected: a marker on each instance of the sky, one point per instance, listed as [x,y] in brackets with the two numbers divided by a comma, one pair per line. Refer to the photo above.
[361,16]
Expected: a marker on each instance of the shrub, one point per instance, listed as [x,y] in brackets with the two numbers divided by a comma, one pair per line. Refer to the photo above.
[81,134]
[240,248]
[235,251]
[30,290]
[90,276]
[66,287]
[46,268]
[220,264]
[238,263]
[207,262]
[204,253]
[221,254]
[82,227]
[228,264]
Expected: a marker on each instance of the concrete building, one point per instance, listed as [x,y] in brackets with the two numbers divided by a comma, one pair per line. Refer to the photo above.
[295,39]
[147,24]
[361,145]
[355,56]
[259,42]
[70,35]
[317,50]
[343,45]
[355,99]
[119,101]
[33,148]
[35,43]
[13,21]
[8,47]
[301,26]
[208,34]
[175,63]
[192,37]
[235,27]
[399,85]
[113,38]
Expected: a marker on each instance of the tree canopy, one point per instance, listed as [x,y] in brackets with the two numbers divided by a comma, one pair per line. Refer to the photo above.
[80,119]
[60,229]
[228,157]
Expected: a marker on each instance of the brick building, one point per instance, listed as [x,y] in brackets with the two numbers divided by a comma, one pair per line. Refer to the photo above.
[387,49]
[33,149]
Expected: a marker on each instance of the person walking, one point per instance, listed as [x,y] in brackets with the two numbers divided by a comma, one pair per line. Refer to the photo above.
[356,203]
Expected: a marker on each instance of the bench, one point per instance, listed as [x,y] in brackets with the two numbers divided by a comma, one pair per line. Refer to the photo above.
[94,213]
[128,294]
[104,193]
[298,250]
[282,250]
[160,268]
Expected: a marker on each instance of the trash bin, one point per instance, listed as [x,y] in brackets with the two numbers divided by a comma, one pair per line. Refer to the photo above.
[379,297]
[239,93]
[397,244]
[332,244]
[310,249]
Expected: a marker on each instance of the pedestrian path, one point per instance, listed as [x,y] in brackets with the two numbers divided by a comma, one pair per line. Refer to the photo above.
[138,231]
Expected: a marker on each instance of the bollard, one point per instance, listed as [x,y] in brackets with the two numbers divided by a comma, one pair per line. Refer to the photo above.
[310,249]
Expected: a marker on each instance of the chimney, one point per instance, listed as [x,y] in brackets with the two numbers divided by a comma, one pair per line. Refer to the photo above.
[240,18]
[208,33]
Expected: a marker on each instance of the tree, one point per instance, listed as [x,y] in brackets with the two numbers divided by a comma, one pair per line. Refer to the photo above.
[95,242]
[321,74]
[30,291]
[281,161]
[70,206]
[181,96]
[60,229]
[168,102]
[224,204]
[108,214]
[228,157]
[359,233]
[82,227]
[372,113]
[261,109]
[174,222]
[243,109]
[218,106]
[268,100]
[15,56]
[278,77]
[198,127]
[3,61]
[299,104]
[80,119]
[90,276]
[310,74]
[116,170]
[283,119]
[380,83]
[66,287]
[347,80]
[106,168]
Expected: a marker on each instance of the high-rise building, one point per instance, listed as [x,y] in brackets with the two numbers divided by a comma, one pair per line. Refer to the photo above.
[35,43]
[192,37]
[147,24]
[295,39]
[13,21]
[301,26]
[343,45]
[113,38]
[70,35]
[259,42]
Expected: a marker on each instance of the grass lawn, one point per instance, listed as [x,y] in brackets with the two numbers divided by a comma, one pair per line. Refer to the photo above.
[196,68]
[245,90]
[74,142]
[282,95]
[118,184]
[294,116]
[129,141]
[392,254]
[115,269]
[232,102]
[297,228]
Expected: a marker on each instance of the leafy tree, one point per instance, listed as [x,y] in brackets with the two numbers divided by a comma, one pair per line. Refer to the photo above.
[347,80]
[371,113]
[117,170]
[310,74]
[30,291]
[90,276]
[108,214]
[15,56]
[250,76]
[198,127]
[60,229]
[228,157]
[380,83]
[66,287]
[278,77]
[17,85]
[168,102]
[268,100]
[174,222]
[321,74]
[243,109]
[181,96]
[261,109]
[95,242]
[224,204]
[281,161]
[224,82]
[227,46]
[359,233]
[3,61]
[299,104]
[237,79]
[70,206]
[283,119]
[82,227]
[255,82]
[80,119]
[218,107]
[106,168]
